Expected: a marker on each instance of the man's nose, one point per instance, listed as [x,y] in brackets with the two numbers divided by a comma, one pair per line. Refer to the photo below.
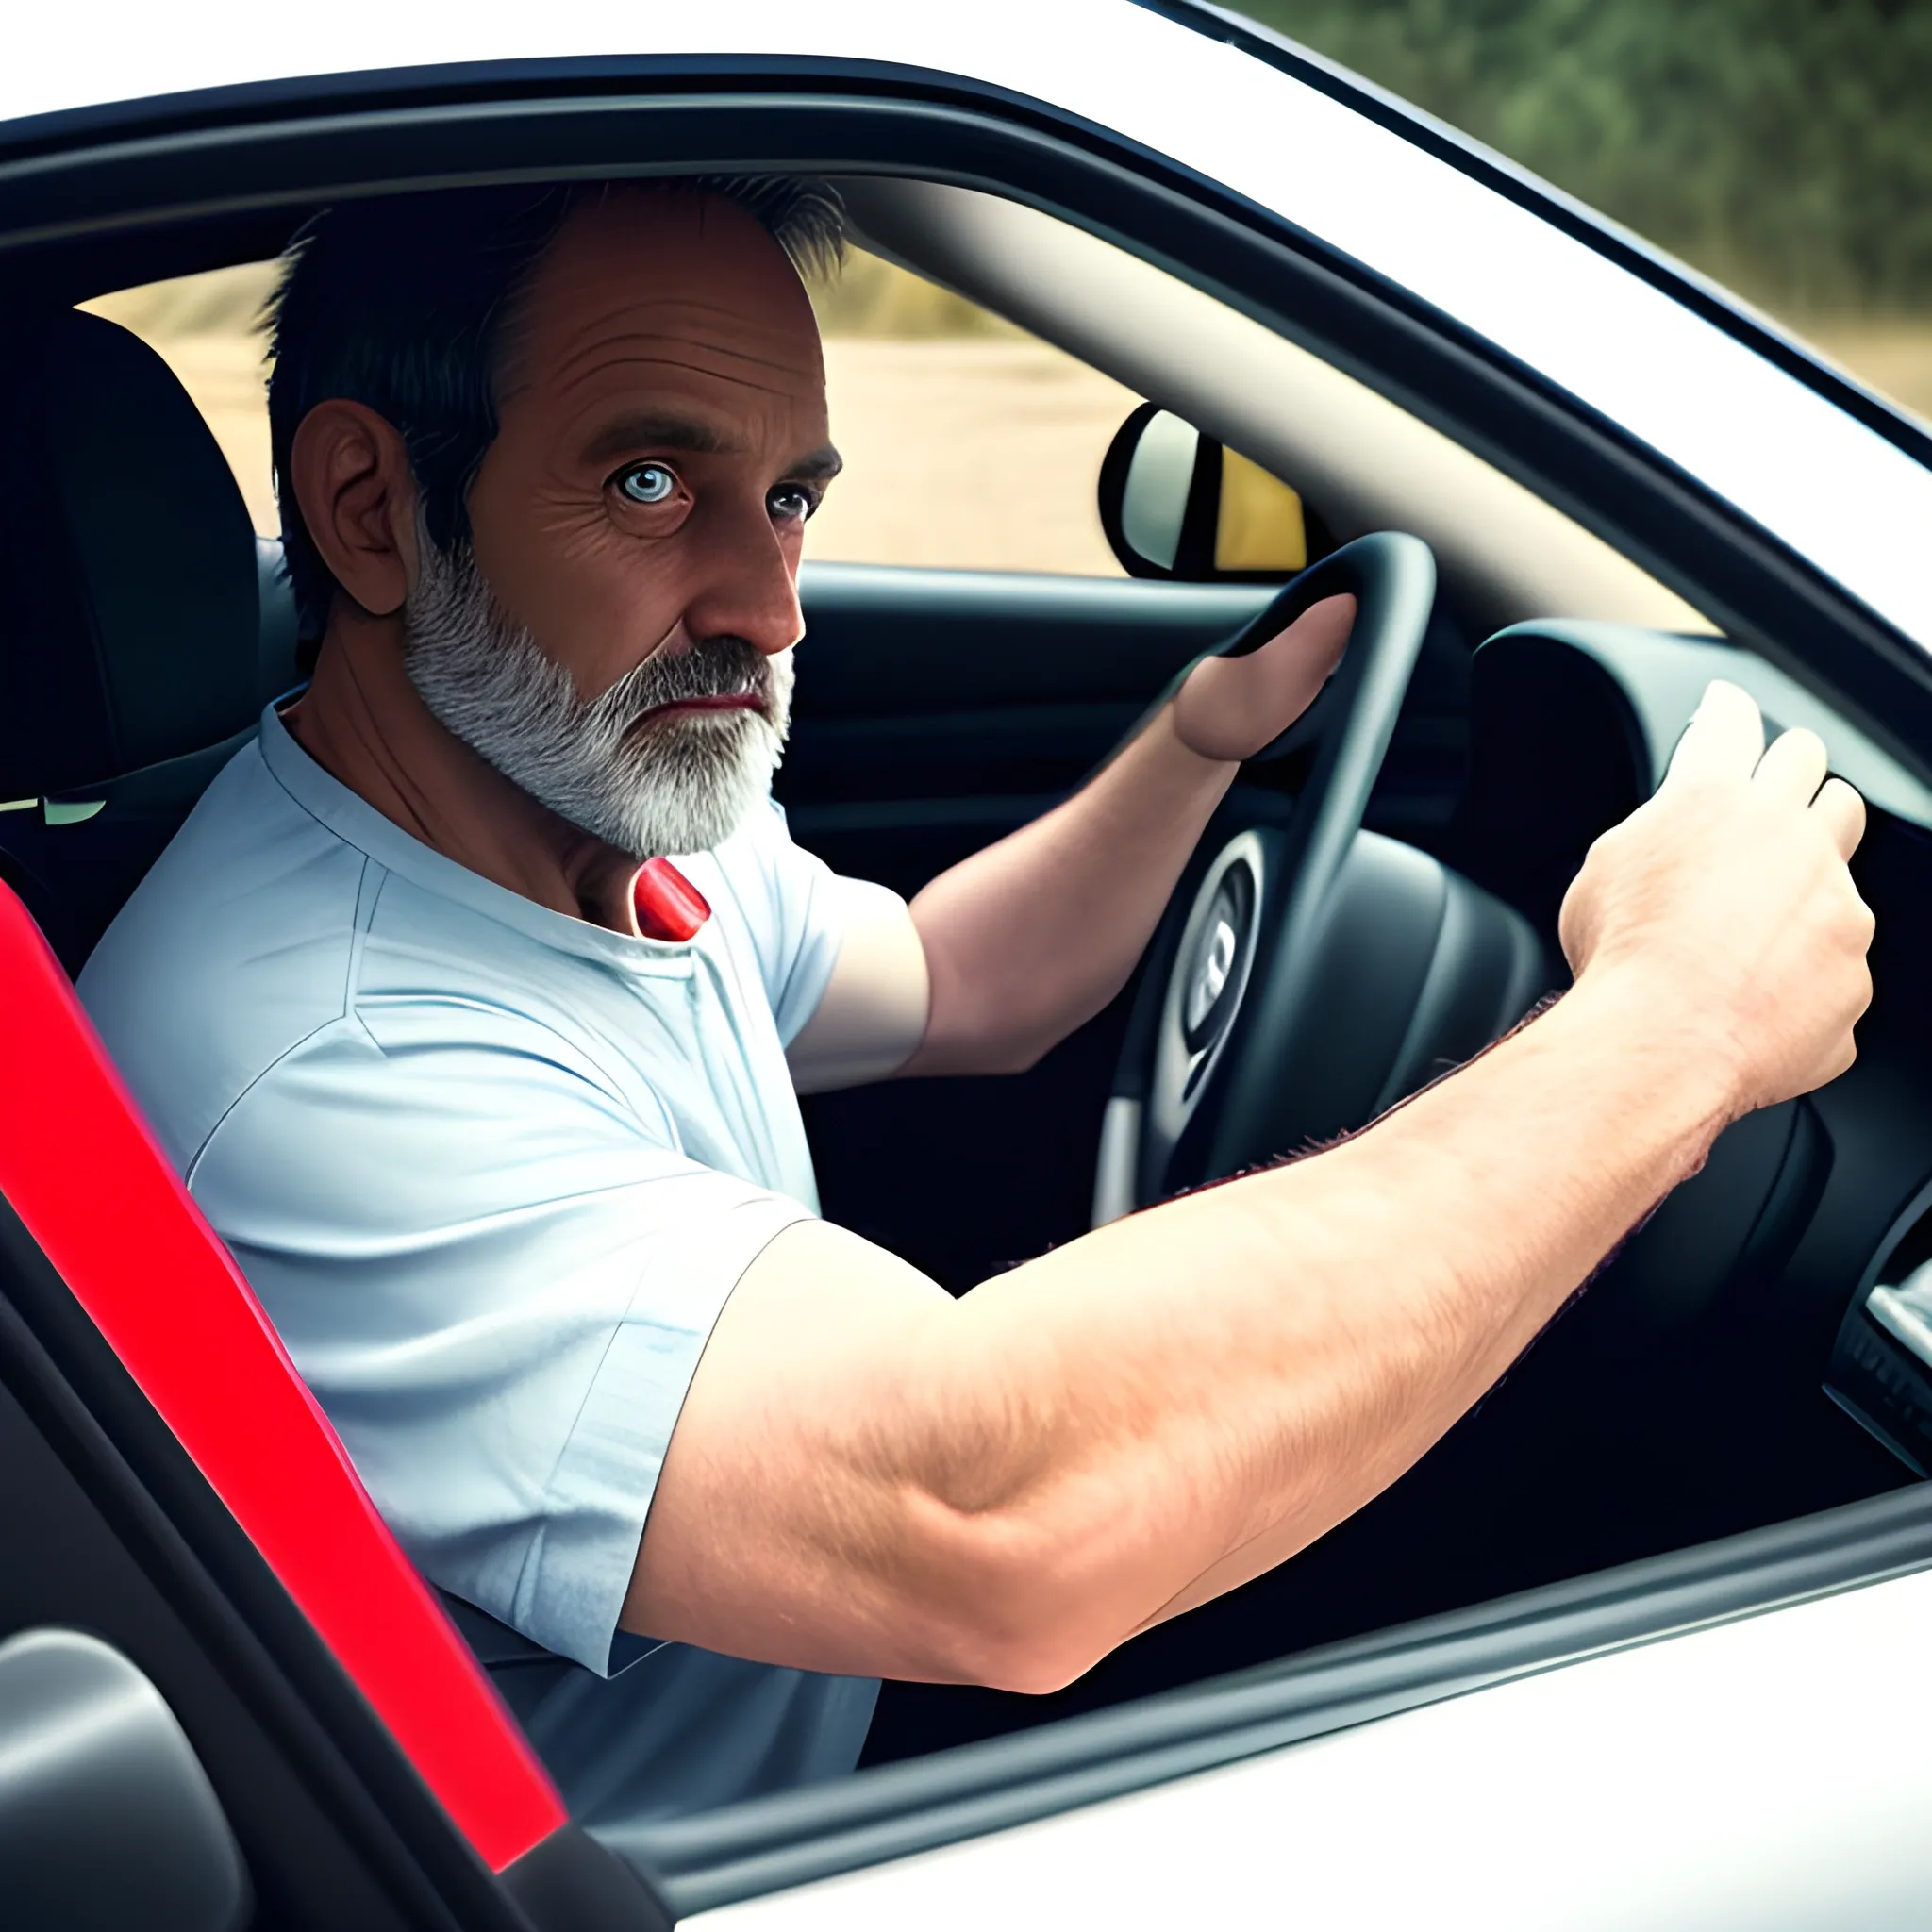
[746,590]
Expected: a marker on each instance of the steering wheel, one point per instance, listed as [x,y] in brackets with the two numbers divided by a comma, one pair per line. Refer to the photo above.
[1198,1091]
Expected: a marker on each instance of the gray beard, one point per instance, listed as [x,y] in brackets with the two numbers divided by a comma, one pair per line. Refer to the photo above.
[683,784]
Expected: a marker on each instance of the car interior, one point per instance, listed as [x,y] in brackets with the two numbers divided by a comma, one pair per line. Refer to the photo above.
[1719,1375]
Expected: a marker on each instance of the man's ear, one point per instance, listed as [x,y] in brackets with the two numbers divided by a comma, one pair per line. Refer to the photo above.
[357,496]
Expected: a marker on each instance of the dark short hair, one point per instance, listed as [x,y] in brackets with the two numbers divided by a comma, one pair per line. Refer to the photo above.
[399,303]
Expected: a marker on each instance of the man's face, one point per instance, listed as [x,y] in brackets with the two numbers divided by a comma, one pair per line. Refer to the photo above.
[636,524]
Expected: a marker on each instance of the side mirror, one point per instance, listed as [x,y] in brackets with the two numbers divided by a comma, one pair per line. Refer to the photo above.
[1176,504]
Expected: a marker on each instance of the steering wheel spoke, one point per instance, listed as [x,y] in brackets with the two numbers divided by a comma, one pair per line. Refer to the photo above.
[1241,968]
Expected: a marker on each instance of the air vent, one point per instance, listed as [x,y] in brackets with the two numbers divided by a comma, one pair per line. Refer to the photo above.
[1881,1366]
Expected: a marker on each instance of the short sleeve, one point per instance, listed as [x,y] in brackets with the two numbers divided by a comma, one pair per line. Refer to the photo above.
[497,1278]
[797,911]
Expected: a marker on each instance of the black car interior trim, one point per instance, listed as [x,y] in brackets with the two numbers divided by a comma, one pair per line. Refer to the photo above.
[571,1883]
[1880,1378]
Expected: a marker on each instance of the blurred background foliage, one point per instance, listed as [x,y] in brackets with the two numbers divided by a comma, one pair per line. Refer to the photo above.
[1783,146]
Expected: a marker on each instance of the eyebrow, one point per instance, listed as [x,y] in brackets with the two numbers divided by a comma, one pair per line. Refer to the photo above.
[821,466]
[657,431]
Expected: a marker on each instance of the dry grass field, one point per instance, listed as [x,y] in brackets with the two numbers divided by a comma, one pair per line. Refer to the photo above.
[967,444]
[1894,358]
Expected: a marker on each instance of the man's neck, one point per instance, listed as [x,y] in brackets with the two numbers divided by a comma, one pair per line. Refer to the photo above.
[362,722]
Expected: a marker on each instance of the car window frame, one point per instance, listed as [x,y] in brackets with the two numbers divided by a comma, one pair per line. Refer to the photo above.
[86,199]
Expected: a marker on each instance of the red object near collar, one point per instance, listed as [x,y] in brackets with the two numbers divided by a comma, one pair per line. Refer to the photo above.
[669,906]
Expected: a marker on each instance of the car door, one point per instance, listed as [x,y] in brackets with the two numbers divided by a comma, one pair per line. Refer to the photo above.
[1753,1774]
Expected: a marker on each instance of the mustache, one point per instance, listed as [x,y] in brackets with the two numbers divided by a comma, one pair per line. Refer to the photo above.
[715,667]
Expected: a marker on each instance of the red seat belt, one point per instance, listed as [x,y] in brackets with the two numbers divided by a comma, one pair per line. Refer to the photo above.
[79,1168]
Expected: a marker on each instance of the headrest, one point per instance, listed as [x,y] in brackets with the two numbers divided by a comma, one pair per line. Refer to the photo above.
[128,608]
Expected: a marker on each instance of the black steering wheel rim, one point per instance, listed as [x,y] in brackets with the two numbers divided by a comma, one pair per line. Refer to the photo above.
[1203,1104]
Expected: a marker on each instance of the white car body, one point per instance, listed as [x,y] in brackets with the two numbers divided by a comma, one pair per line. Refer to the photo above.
[1764,1774]
[1767,1771]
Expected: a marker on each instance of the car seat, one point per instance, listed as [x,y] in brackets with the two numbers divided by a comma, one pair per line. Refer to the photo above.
[142,626]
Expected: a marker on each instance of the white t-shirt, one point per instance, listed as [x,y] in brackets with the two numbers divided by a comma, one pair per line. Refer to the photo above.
[492,1172]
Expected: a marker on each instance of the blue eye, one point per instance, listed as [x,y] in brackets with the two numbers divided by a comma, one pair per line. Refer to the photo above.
[647,483]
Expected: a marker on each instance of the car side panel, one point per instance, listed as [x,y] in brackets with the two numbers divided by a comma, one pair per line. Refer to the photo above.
[1767,1772]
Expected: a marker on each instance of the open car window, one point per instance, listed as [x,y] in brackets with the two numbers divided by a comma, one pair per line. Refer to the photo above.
[974,393]
[969,444]
[974,425]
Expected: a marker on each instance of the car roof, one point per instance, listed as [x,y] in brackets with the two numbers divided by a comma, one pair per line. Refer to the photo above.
[64,61]
[1843,481]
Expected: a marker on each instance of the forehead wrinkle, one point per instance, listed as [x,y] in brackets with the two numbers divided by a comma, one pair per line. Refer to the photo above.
[618,302]
[567,387]
[637,345]
[720,330]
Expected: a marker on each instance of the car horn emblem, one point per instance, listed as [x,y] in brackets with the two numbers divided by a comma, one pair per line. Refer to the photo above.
[1214,976]
[1216,961]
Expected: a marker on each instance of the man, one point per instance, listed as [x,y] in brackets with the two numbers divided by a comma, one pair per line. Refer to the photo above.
[502,1124]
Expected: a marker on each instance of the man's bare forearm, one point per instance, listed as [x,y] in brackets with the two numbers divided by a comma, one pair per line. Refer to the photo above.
[1018,1481]
[869,1477]
[1257,1360]
[1028,938]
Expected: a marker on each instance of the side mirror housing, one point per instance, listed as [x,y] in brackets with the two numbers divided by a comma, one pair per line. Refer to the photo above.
[1176,504]
[107,1817]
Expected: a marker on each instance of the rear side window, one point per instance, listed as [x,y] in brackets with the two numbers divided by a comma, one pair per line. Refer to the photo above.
[968,445]
[205,327]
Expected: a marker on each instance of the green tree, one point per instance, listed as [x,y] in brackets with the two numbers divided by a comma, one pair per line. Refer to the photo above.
[1784,146]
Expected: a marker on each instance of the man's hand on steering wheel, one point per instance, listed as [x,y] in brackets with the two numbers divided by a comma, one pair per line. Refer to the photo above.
[1727,899]
[1230,708]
